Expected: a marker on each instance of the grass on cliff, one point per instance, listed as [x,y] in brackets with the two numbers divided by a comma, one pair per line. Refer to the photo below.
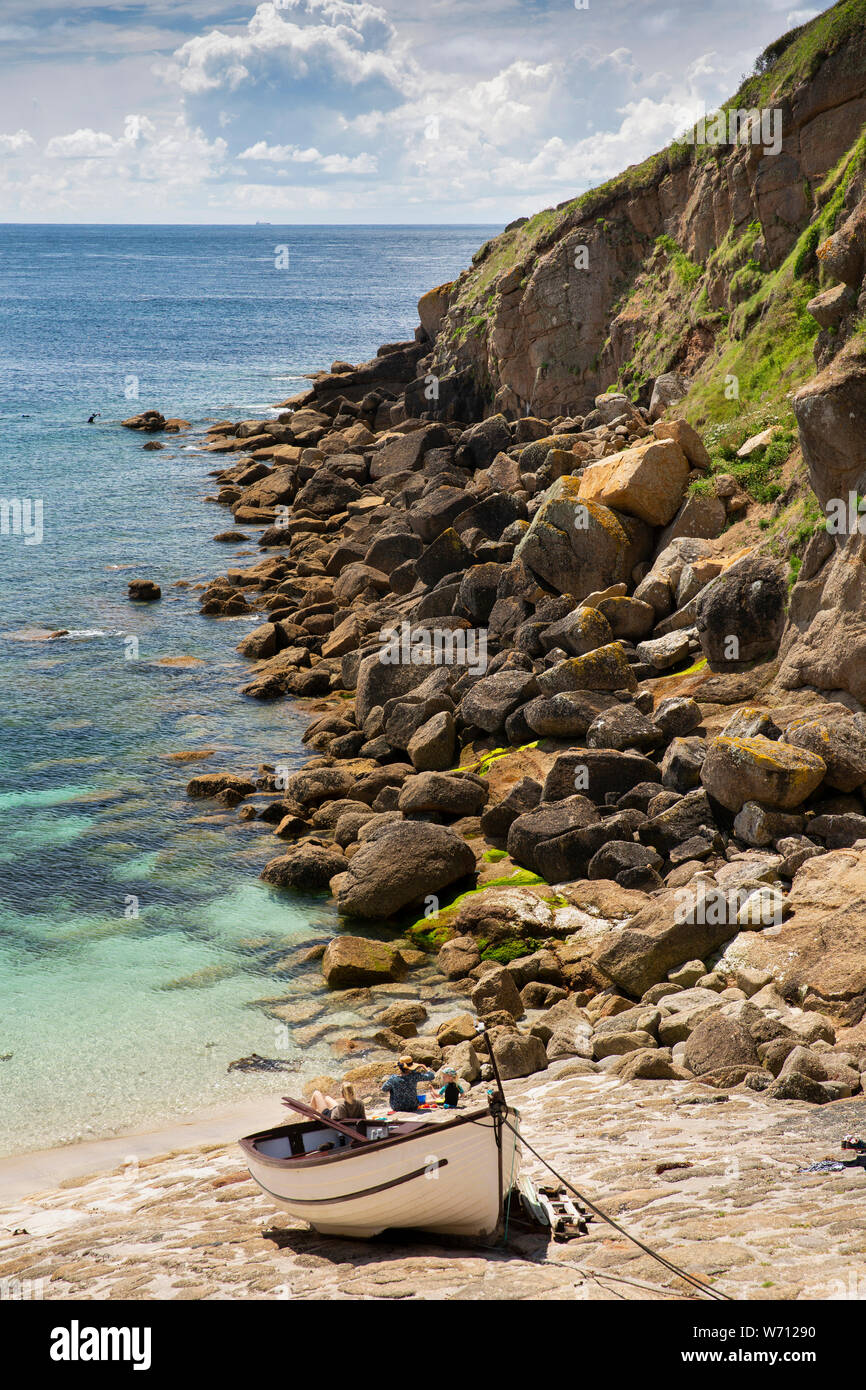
[796,56]
[760,474]
[767,350]
[784,64]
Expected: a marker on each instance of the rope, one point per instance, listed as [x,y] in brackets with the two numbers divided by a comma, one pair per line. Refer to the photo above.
[668,1264]
[510,1190]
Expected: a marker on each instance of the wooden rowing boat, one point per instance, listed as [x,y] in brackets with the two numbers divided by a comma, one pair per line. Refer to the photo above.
[441,1172]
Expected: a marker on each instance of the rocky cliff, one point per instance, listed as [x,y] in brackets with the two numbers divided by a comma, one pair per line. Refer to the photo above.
[588,664]
[701,259]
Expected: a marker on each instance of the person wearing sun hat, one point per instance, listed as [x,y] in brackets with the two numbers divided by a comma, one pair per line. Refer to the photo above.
[402,1086]
[451,1091]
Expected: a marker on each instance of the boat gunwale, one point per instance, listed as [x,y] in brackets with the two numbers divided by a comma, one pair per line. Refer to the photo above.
[426,1129]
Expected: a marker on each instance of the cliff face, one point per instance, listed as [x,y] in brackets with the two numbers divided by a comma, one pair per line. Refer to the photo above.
[674,264]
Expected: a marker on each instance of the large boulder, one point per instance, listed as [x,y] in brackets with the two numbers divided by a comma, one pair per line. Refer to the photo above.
[406,861]
[678,823]
[491,699]
[596,772]
[497,818]
[580,631]
[740,616]
[326,494]
[668,389]
[458,956]
[460,1028]
[566,715]
[623,727]
[482,442]
[576,547]
[405,452]
[659,938]
[518,1054]
[840,742]
[436,510]
[438,792]
[816,956]
[688,439]
[380,680]
[550,840]
[648,1064]
[830,411]
[646,481]
[477,593]
[313,785]
[737,770]
[606,668]
[431,747]
[356,960]
[308,868]
[719,1041]
[817,649]
[210,784]
[496,992]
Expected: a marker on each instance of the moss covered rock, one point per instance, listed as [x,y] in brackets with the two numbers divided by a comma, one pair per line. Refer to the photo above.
[356,960]
[578,546]
[737,770]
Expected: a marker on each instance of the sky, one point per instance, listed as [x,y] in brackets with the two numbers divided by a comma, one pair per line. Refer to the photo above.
[344,111]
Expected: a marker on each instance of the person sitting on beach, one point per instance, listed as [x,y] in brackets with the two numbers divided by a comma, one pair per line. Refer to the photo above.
[452,1090]
[402,1086]
[349,1108]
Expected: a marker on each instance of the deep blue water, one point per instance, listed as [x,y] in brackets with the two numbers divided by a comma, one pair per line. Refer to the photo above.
[114,1019]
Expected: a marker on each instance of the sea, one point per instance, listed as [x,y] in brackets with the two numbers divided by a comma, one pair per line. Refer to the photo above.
[136,941]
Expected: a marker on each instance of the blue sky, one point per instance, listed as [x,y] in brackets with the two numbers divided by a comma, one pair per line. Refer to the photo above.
[349,111]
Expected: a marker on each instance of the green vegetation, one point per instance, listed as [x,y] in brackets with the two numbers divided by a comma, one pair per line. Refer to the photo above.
[511,949]
[797,55]
[688,272]
[744,324]
[758,475]
[689,671]
[432,932]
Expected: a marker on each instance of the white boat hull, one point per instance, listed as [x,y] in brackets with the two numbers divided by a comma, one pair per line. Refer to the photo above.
[449,1180]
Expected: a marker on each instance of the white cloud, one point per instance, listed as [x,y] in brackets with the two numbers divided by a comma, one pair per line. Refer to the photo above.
[794,18]
[13,144]
[345,106]
[328,163]
[349,45]
[81,144]
[96,144]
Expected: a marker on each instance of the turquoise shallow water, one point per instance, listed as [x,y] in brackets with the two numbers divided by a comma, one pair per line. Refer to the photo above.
[111,1020]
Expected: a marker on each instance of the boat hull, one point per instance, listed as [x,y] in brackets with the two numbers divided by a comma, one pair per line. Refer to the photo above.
[446,1180]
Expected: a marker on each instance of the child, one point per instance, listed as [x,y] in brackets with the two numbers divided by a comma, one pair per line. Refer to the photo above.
[452,1090]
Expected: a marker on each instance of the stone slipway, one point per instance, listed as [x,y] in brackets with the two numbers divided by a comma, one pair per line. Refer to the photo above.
[711,1182]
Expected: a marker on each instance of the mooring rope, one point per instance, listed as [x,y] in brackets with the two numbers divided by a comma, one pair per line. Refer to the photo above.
[692,1279]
